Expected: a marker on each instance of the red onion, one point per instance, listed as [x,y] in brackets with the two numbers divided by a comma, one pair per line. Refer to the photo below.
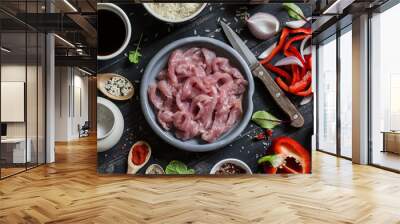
[303,43]
[268,51]
[306,100]
[263,25]
[307,50]
[297,23]
[289,61]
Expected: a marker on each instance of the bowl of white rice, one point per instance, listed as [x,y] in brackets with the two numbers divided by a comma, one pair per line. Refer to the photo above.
[174,12]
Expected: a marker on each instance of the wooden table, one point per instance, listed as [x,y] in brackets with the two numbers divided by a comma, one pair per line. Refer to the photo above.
[13,150]
[391,141]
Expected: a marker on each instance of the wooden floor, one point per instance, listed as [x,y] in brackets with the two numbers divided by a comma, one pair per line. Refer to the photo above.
[70,191]
[387,159]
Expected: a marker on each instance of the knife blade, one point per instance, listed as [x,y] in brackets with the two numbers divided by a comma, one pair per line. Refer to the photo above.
[260,72]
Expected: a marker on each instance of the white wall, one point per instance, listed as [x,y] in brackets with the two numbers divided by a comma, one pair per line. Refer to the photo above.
[33,126]
[70,83]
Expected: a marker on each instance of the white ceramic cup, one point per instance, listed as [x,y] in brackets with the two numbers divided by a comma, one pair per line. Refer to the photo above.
[117,10]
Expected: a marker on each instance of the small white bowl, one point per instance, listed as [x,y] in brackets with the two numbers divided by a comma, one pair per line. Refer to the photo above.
[105,121]
[117,10]
[233,161]
[151,11]
[109,138]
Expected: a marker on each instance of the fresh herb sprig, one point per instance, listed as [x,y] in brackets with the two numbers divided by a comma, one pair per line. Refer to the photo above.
[134,56]
[178,167]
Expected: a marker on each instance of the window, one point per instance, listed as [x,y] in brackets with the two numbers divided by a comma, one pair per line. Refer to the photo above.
[385,89]
[346,93]
[22,75]
[327,96]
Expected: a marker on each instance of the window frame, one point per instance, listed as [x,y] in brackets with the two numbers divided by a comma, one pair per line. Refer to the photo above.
[336,36]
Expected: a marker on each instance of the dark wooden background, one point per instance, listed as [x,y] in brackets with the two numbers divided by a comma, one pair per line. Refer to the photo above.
[157,34]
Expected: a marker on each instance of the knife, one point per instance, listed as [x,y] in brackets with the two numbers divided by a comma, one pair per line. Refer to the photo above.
[260,72]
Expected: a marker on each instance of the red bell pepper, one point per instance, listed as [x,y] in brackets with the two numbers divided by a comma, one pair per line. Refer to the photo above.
[282,84]
[305,93]
[292,40]
[308,60]
[290,157]
[292,51]
[275,51]
[301,85]
[307,31]
[296,74]
[282,73]
[303,72]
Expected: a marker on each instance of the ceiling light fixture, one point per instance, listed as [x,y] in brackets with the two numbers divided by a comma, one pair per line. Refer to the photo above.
[70,5]
[64,40]
[84,71]
[5,50]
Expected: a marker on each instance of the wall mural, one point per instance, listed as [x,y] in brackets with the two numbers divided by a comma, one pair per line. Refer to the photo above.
[204,88]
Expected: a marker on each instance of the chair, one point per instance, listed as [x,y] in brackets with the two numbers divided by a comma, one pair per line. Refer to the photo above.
[84,130]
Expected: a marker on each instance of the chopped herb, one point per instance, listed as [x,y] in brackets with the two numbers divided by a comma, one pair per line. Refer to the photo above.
[134,56]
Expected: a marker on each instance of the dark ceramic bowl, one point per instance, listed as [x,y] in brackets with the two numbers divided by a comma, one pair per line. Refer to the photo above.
[159,62]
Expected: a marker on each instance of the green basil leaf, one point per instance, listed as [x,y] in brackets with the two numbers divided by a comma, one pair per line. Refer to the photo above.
[265,119]
[293,10]
[177,167]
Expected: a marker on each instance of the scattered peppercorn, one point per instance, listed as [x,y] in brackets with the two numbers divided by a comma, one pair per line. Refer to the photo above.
[260,136]
[268,132]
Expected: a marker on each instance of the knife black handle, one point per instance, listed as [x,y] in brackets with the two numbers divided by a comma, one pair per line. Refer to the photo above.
[279,96]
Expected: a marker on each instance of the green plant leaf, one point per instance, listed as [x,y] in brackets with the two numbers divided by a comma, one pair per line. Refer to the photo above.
[177,167]
[265,119]
[134,56]
[293,11]
[274,160]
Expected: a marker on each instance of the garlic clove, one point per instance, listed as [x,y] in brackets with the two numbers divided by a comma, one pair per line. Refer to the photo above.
[263,25]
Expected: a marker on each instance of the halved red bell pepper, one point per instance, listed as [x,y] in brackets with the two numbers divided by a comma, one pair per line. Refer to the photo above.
[290,157]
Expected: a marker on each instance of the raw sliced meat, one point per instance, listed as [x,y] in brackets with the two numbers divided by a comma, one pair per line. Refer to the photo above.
[198,95]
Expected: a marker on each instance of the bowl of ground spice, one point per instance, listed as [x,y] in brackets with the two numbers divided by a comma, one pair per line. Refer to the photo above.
[174,12]
[230,166]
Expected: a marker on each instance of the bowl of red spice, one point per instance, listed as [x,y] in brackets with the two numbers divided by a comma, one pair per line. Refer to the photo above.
[230,167]
[138,156]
